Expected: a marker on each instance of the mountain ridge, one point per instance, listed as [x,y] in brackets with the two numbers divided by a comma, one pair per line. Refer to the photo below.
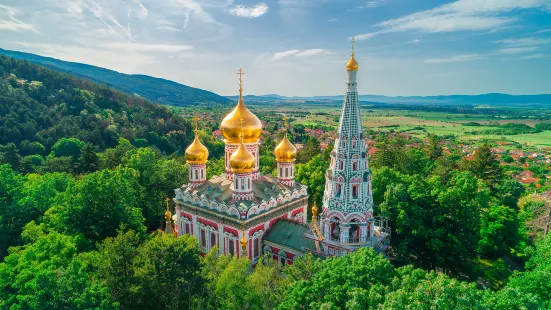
[481,99]
[155,89]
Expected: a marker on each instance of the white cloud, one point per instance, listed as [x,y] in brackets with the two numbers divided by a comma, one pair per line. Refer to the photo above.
[312,52]
[543,31]
[282,55]
[371,4]
[9,21]
[517,50]
[139,47]
[536,56]
[332,20]
[524,42]
[461,15]
[253,11]
[143,11]
[457,58]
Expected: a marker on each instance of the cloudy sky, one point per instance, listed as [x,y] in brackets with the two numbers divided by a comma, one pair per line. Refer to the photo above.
[298,47]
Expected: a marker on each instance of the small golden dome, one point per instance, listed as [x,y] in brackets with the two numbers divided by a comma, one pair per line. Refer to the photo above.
[352,64]
[285,151]
[244,241]
[242,161]
[196,153]
[231,125]
[168,216]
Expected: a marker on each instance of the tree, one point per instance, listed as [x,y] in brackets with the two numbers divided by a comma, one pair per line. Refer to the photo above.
[99,204]
[66,147]
[510,190]
[10,155]
[337,280]
[115,267]
[485,166]
[48,274]
[435,148]
[417,289]
[312,174]
[89,160]
[498,232]
[167,272]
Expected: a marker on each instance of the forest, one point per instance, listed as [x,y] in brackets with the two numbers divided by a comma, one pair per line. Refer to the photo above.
[84,171]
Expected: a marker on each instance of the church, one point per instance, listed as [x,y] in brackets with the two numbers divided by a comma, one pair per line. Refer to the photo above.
[245,213]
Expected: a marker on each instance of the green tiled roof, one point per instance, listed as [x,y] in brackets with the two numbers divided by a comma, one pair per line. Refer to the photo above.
[290,234]
[220,189]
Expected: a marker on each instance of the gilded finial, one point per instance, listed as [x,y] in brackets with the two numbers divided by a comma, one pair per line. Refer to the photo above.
[168,214]
[314,209]
[353,45]
[240,72]
[352,64]
[196,121]
[285,125]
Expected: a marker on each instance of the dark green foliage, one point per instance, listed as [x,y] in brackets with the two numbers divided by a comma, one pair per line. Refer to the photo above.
[40,108]
[485,166]
[498,232]
[99,204]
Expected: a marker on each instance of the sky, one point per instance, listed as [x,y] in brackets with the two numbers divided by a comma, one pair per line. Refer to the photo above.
[298,47]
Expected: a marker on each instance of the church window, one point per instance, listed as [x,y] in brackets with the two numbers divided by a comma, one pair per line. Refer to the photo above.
[355,165]
[203,239]
[341,165]
[212,239]
[196,175]
[256,247]
[231,247]
[354,144]
[338,190]
[249,183]
[355,191]
[202,174]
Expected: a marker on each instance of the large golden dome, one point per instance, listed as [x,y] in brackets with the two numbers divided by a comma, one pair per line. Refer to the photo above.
[231,126]
[352,64]
[196,153]
[242,161]
[285,151]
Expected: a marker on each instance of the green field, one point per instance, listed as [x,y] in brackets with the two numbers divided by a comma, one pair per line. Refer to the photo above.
[419,123]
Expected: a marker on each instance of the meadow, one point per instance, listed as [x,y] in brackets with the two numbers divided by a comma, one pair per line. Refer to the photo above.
[452,121]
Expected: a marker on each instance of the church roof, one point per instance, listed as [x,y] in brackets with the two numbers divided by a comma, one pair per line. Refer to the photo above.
[265,189]
[290,234]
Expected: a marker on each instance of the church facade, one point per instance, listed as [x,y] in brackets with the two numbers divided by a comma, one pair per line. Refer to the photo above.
[245,213]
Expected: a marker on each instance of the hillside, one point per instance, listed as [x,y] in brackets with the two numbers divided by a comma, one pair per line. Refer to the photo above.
[39,106]
[154,89]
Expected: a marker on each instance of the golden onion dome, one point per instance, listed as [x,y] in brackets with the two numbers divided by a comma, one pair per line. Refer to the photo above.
[196,153]
[232,126]
[168,216]
[352,64]
[285,151]
[243,242]
[242,161]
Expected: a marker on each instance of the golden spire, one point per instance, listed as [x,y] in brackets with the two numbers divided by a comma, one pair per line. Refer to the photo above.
[242,161]
[196,153]
[231,127]
[285,151]
[352,64]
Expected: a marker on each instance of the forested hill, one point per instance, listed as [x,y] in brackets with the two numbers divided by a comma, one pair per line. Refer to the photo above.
[154,89]
[40,106]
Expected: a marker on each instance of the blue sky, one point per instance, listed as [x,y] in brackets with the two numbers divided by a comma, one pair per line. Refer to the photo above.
[298,47]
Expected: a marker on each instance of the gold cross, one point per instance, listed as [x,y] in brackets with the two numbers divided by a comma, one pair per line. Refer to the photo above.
[240,72]
[353,43]
[196,121]
[285,122]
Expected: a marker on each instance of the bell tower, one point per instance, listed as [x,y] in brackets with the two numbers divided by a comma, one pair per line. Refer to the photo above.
[347,201]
